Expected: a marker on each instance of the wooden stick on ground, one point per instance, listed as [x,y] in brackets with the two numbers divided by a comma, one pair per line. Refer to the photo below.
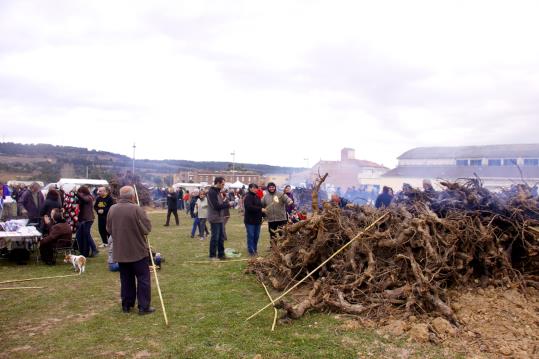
[322,264]
[10,288]
[37,278]
[272,302]
[154,269]
[225,261]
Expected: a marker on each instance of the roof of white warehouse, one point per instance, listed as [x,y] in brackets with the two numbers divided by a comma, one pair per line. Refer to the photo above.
[489,151]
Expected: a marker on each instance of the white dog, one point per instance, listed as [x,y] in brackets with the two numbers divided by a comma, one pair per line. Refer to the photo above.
[78,262]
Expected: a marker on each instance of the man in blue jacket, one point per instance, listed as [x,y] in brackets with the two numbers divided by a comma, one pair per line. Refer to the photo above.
[384,199]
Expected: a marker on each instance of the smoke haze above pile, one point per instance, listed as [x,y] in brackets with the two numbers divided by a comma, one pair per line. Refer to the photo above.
[276,82]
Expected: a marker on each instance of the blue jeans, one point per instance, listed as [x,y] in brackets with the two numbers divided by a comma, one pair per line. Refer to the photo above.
[253,233]
[202,227]
[217,241]
[195,226]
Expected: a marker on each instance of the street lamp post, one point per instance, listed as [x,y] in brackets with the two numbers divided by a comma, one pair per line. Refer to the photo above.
[134,147]
[233,154]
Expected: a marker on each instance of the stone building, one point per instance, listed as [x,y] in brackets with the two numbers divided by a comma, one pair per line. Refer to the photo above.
[349,171]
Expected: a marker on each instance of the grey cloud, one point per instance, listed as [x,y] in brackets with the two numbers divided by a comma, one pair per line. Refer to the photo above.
[196,32]
[383,87]
[22,91]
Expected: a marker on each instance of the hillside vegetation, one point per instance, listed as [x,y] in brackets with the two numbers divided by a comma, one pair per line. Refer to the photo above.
[48,163]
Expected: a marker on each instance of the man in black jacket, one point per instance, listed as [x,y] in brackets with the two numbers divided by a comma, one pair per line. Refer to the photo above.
[172,204]
[102,205]
[216,216]
[252,218]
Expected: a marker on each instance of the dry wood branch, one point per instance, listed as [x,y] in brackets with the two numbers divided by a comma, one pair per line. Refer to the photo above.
[274,309]
[316,188]
[426,242]
[38,278]
[17,288]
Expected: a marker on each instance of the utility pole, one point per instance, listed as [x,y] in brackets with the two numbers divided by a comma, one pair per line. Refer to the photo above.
[233,154]
[134,147]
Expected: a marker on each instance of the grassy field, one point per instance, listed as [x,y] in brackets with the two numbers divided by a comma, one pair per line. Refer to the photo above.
[206,304]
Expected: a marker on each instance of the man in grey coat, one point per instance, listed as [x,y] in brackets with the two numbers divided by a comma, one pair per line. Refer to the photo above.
[274,206]
[129,225]
[32,202]
[216,216]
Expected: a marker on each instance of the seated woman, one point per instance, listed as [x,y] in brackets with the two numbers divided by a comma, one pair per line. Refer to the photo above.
[52,200]
[59,236]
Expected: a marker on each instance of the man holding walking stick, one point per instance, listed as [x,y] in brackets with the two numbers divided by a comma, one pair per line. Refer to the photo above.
[128,225]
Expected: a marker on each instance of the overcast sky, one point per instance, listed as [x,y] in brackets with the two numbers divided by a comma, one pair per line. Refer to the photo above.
[278,82]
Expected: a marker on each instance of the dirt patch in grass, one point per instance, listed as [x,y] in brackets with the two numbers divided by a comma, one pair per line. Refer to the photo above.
[495,322]
[48,324]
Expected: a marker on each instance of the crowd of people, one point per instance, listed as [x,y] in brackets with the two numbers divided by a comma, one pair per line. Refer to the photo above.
[60,210]
[123,226]
[210,206]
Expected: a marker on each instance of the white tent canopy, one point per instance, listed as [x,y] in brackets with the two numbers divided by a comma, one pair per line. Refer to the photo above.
[13,183]
[69,184]
[189,186]
[82,182]
[237,184]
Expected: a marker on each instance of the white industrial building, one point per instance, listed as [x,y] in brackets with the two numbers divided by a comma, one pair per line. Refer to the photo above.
[496,165]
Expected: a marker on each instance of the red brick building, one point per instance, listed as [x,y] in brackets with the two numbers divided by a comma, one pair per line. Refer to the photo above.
[208,176]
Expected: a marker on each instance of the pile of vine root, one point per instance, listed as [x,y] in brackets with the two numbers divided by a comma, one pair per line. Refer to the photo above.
[427,243]
[128,179]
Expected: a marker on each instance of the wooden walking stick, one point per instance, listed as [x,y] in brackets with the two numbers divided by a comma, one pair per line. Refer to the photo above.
[154,269]
[320,266]
[12,288]
[38,278]
[219,262]
[275,313]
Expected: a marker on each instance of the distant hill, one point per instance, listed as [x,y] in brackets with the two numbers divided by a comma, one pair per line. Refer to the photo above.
[49,163]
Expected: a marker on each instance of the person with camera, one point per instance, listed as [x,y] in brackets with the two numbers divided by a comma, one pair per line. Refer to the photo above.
[172,206]
[85,241]
[102,205]
[216,216]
